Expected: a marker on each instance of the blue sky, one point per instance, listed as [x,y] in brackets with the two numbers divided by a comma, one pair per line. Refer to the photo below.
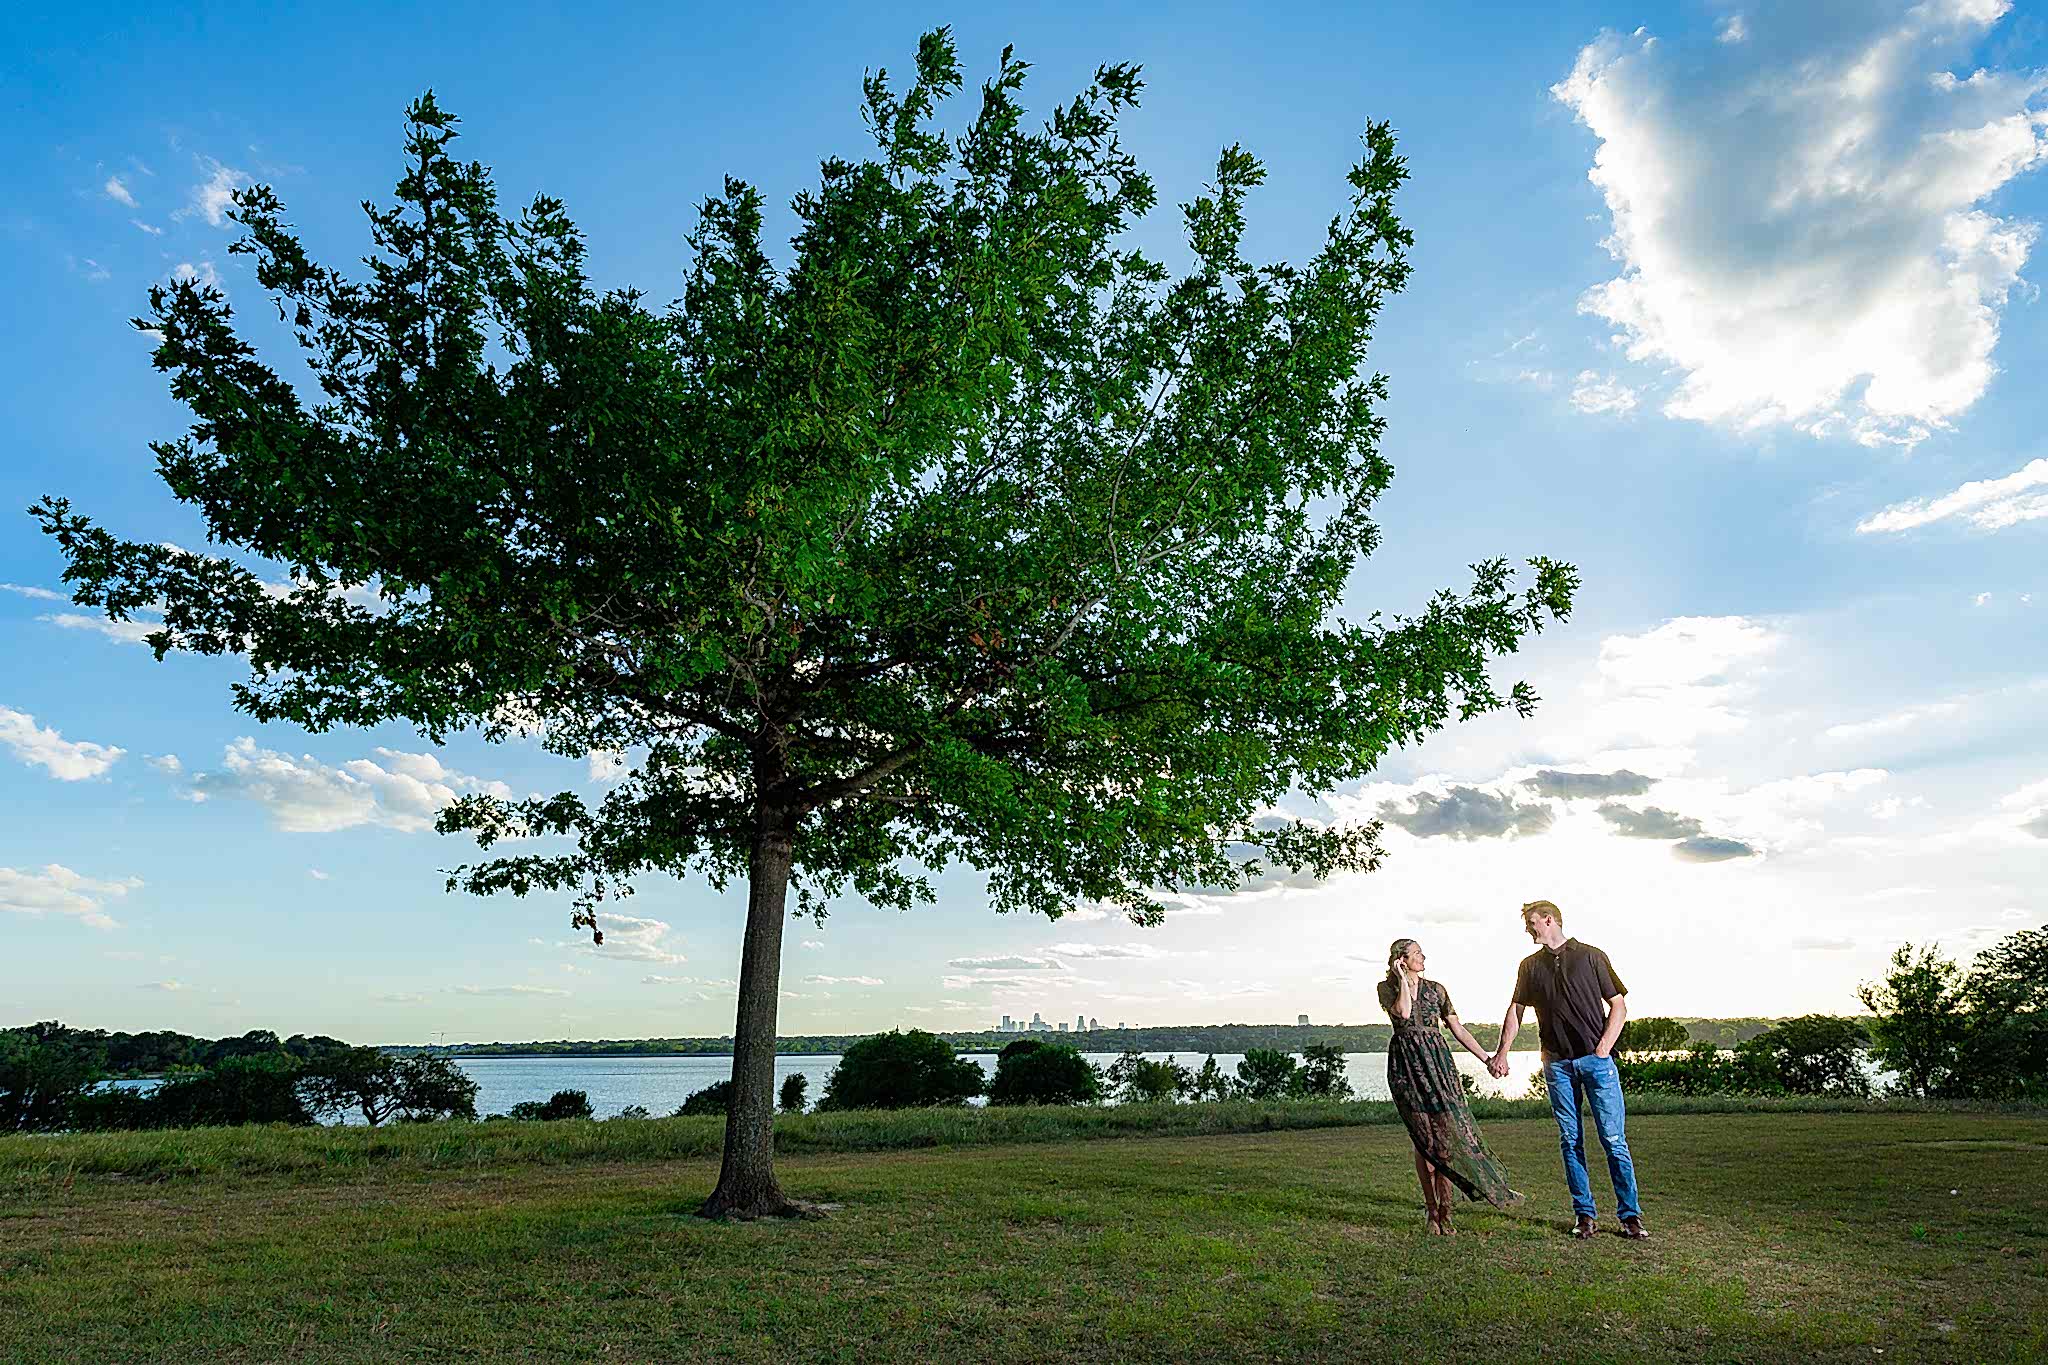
[1733,306]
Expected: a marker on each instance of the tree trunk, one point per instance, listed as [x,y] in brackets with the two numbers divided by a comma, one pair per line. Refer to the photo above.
[746,1179]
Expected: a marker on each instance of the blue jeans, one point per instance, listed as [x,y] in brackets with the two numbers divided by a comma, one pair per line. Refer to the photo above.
[1596,1079]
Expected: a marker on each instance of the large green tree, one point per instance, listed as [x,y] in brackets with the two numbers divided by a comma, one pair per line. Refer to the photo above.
[961,531]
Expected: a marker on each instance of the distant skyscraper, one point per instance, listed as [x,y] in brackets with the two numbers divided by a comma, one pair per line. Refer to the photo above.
[1080,1023]
[1301,1020]
[1063,1026]
[1037,1024]
[1006,1024]
[1093,1023]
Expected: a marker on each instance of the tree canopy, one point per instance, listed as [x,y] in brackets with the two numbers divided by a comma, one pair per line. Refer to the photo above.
[965,531]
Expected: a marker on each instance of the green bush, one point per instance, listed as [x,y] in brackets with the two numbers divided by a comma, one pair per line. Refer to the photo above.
[715,1098]
[563,1104]
[1044,1074]
[1265,1074]
[1322,1073]
[900,1070]
[1652,1035]
[1814,1054]
[249,1087]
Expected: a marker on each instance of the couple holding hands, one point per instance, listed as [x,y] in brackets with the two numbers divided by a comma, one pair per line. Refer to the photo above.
[1580,1007]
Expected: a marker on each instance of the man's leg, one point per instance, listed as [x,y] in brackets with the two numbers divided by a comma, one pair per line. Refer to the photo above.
[1603,1089]
[1563,1084]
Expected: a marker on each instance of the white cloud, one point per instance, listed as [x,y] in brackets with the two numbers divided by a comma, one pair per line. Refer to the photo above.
[634,939]
[66,760]
[56,889]
[1144,951]
[1594,393]
[402,998]
[117,190]
[1684,679]
[149,228]
[202,274]
[316,874]
[165,986]
[606,765]
[305,796]
[212,197]
[1796,214]
[120,632]
[812,944]
[1896,721]
[842,981]
[509,990]
[1006,964]
[165,763]
[1987,504]
[39,594]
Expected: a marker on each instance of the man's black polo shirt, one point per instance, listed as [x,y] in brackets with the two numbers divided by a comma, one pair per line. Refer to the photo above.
[1569,990]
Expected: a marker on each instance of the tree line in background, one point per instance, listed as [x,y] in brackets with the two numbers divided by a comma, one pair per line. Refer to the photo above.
[1194,1039]
[1936,1030]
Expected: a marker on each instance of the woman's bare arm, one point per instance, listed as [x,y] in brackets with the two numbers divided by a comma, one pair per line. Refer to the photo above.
[1464,1036]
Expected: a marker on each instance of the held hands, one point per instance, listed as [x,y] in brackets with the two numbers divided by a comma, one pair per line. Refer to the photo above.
[1498,1065]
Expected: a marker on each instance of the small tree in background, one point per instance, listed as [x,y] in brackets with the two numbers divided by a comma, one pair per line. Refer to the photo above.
[1918,1029]
[431,1087]
[44,1071]
[791,1101]
[1210,1083]
[1652,1035]
[1322,1073]
[907,1070]
[1135,1079]
[250,1088]
[965,533]
[1815,1054]
[364,1079]
[1265,1074]
[1044,1074]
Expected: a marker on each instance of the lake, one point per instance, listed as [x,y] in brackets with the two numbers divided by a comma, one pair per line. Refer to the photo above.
[659,1084]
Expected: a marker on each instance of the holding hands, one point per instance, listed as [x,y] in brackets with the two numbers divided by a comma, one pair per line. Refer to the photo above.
[1498,1064]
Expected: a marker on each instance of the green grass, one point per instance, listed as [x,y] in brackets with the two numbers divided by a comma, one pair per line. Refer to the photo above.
[1784,1234]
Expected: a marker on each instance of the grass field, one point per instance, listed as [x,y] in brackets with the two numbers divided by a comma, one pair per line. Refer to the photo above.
[1779,1236]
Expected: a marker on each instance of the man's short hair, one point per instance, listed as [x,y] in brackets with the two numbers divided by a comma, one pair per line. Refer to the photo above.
[1543,908]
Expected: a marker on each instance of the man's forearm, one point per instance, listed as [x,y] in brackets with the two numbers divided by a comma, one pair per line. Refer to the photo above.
[1509,1027]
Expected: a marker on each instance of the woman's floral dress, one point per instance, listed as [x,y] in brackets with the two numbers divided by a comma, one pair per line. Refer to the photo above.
[1431,1099]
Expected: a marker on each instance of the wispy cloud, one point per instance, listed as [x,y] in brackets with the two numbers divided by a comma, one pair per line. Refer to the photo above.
[843,981]
[116,189]
[509,990]
[1595,394]
[1008,963]
[212,197]
[1987,504]
[39,594]
[1707,848]
[1469,813]
[57,890]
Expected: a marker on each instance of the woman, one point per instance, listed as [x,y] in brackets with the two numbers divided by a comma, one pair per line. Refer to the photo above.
[1427,1091]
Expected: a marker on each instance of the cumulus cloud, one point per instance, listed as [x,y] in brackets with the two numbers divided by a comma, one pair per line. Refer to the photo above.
[1651,822]
[1707,848]
[117,190]
[1572,786]
[2031,802]
[634,939]
[398,790]
[212,197]
[607,765]
[1987,504]
[1469,813]
[1594,393]
[165,763]
[1684,679]
[57,890]
[1796,211]
[64,759]
[201,274]
[1006,964]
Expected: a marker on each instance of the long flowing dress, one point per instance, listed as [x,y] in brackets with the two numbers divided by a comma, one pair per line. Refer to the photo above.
[1431,1099]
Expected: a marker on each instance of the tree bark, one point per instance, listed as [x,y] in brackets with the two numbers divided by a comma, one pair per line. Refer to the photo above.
[747,1187]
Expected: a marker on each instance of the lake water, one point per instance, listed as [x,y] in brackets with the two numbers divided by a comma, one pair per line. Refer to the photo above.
[659,1084]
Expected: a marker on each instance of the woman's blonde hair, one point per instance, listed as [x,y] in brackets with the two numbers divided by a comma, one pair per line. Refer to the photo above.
[1394,956]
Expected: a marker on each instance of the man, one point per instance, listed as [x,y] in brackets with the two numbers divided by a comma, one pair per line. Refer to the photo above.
[1580,1007]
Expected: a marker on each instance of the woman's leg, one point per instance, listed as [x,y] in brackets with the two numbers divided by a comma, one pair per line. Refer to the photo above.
[1443,1200]
[1427,1176]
